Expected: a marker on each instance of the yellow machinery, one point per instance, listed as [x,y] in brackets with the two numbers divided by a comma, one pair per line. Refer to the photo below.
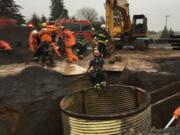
[119,24]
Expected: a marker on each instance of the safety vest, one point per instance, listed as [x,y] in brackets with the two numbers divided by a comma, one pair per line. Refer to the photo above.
[102,37]
[81,42]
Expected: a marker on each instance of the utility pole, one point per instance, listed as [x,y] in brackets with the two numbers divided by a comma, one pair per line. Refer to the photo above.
[166,20]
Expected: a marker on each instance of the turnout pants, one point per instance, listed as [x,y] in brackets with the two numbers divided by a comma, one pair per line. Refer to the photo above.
[102,49]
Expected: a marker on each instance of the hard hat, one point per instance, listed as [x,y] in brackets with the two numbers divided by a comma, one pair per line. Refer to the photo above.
[43,24]
[93,29]
[34,32]
[103,26]
[62,27]
[30,25]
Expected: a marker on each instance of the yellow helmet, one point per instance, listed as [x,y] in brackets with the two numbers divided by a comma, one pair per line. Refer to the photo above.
[43,24]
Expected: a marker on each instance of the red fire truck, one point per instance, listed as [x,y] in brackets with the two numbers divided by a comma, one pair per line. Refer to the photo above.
[81,28]
[7,22]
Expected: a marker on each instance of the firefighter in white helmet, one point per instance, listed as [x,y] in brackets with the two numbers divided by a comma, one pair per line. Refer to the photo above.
[103,37]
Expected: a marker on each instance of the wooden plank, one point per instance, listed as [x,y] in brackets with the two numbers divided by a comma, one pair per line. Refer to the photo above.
[69,69]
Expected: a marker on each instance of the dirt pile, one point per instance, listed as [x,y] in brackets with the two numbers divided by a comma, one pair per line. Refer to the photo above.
[29,101]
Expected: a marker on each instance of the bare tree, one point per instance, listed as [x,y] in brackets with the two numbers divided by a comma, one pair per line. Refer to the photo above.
[102,20]
[87,13]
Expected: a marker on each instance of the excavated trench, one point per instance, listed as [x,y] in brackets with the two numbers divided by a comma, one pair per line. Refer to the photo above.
[29,100]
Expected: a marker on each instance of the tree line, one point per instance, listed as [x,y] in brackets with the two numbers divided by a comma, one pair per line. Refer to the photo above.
[9,9]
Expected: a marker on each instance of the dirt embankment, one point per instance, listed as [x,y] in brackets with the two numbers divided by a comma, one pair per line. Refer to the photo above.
[151,69]
[30,101]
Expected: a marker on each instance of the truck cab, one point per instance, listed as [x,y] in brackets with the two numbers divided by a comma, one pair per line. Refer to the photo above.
[81,28]
[139,26]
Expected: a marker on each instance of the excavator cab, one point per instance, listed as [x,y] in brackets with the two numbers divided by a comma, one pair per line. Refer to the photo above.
[139,26]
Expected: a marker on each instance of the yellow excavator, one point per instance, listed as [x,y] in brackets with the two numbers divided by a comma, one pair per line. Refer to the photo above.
[122,30]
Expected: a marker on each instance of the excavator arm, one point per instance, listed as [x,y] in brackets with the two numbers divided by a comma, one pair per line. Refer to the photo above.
[117,17]
[120,27]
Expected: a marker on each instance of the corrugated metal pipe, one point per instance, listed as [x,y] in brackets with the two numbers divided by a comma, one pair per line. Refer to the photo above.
[110,112]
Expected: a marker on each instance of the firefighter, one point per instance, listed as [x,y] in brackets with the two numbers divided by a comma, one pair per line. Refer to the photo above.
[34,40]
[102,37]
[97,74]
[5,46]
[69,41]
[47,47]
[81,47]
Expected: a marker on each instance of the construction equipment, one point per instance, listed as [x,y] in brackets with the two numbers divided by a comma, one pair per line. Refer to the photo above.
[120,27]
[175,41]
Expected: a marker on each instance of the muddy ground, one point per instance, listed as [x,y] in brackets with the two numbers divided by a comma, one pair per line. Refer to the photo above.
[29,100]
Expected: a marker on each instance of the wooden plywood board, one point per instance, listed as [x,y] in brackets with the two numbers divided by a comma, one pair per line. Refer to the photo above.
[69,69]
[115,67]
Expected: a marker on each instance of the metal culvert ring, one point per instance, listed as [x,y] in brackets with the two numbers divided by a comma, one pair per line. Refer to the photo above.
[117,108]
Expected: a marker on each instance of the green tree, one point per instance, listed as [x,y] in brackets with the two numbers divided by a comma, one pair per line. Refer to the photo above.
[43,18]
[97,25]
[58,10]
[171,32]
[165,33]
[35,20]
[9,9]
[102,20]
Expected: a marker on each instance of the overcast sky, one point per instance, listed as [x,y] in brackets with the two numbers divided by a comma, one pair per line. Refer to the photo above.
[155,10]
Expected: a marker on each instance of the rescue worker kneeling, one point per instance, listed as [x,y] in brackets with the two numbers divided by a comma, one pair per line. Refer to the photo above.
[97,74]
[47,48]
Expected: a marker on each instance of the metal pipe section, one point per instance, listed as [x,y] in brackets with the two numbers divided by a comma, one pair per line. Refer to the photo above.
[114,110]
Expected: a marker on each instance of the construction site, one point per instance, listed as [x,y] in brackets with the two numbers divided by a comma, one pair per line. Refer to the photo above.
[142,77]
